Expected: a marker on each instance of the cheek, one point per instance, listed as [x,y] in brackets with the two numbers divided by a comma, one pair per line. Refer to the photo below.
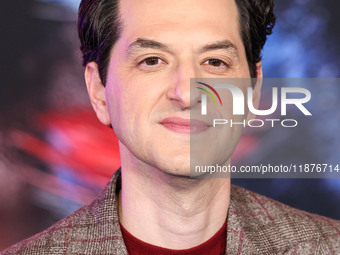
[117,102]
[113,101]
[130,103]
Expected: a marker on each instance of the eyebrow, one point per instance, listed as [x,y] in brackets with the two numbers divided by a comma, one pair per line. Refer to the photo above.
[146,43]
[220,45]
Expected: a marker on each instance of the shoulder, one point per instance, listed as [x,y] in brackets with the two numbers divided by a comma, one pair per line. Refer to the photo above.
[278,228]
[93,229]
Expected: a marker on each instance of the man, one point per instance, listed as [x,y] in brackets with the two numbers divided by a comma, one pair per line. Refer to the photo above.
[139,58]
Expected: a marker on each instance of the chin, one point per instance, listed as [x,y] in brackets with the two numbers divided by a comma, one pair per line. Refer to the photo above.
[176,167]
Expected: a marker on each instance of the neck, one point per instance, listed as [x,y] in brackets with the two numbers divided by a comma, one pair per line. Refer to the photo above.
[169,211]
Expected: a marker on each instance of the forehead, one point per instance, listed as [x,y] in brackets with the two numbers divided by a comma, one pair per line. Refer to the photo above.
[190,21]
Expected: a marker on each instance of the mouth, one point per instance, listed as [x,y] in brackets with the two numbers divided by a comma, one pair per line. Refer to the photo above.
[185,126]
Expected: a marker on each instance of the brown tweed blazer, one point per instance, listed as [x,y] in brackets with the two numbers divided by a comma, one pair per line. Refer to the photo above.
[256,225]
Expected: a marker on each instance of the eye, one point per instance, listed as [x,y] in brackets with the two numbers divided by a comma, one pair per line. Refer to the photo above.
[152,64]
[216,66]
[151,61]
[215,62]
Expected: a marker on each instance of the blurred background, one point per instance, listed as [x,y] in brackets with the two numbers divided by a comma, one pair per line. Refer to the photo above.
[55,156]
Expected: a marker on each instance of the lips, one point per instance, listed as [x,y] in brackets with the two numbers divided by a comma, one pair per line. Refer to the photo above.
[184,126]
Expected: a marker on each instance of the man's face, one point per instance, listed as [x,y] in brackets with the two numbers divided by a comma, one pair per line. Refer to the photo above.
[162,45]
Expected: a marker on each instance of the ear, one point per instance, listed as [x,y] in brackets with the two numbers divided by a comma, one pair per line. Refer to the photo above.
[256,90]
[96,91]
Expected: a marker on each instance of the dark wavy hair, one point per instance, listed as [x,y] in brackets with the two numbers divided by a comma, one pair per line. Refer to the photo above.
[257,20]
[99,28]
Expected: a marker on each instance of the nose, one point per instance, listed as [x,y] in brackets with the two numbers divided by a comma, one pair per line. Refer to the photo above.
[179,91]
